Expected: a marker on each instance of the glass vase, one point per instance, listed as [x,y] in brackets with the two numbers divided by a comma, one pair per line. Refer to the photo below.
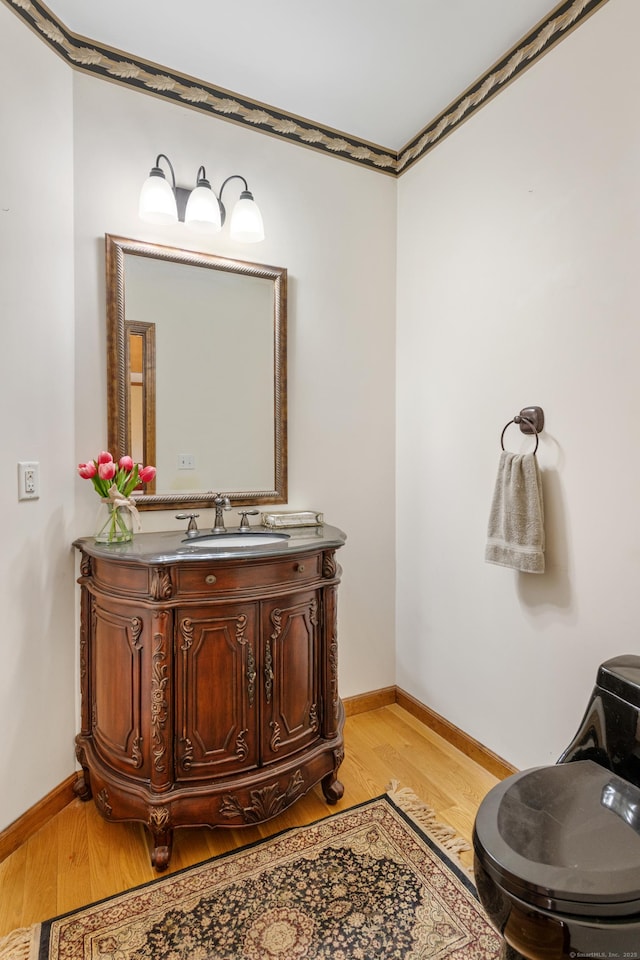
[115,524]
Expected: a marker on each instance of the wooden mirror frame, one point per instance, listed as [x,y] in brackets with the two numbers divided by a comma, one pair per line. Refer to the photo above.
[118,414]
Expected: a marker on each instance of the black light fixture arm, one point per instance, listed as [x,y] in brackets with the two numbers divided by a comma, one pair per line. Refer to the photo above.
[201,178]
[234,176]
[157,171]
[245,195]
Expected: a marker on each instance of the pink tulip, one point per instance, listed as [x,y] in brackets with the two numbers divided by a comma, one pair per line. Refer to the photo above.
[105,457]
[87,470]
[125,463]
[106,469]
[146,474]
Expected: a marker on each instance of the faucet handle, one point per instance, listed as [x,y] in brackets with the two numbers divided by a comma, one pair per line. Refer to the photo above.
[192,528]
[243,514]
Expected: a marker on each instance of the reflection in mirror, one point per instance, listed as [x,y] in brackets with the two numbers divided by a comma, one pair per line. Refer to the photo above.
[197,373]
[141,365]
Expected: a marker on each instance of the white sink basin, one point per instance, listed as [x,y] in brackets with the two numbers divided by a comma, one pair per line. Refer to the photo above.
[219,540]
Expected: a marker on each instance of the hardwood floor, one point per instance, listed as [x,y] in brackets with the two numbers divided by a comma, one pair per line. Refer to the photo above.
[77,857]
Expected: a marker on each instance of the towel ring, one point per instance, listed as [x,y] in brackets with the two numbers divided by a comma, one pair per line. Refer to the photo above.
[520,419]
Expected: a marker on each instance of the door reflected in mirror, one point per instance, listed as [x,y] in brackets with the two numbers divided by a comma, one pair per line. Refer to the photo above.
[197,373]
[141,366]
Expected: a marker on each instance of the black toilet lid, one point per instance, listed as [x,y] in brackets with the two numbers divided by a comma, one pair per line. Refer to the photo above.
[565,838]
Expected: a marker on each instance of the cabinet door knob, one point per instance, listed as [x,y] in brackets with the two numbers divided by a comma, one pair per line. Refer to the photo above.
[210,578]
[300,567]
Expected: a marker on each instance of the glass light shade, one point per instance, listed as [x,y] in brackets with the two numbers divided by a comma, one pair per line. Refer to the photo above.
[203,210]
[246,220]
[157,201]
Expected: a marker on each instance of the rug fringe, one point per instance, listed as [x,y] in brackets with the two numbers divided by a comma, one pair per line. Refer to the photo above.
[426,817]
[21,944]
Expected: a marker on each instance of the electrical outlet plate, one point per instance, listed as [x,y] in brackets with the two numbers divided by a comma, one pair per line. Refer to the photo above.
[28,480]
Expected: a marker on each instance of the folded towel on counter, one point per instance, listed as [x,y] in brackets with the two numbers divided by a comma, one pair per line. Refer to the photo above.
[515,537]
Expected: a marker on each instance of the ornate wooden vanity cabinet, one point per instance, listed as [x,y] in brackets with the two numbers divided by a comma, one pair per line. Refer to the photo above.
[209,683]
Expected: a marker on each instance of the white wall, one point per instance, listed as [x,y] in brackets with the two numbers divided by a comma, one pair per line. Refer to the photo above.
[518,284]
[38,641]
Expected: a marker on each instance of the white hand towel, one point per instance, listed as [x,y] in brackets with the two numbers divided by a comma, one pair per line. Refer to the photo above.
[515,537]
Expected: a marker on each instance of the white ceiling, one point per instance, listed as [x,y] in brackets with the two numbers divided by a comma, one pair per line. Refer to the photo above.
[374,69]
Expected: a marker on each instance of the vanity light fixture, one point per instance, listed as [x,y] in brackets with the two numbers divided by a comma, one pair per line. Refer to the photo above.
[201,208]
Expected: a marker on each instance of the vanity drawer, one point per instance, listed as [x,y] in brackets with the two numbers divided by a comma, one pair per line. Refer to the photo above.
[125,579]
[243,575]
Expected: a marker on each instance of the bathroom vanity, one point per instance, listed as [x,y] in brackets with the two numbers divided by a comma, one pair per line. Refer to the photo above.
[209,677]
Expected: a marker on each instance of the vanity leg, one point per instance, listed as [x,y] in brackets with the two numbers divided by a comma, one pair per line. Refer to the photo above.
[82,786]
[332,788]
[162,846]
[160,856]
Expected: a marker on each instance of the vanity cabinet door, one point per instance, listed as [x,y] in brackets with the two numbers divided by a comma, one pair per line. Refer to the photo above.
[119,661]
[290,684]
[216,672]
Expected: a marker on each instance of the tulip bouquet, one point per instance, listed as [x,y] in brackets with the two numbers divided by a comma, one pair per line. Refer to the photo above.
[115,482]
[125,475]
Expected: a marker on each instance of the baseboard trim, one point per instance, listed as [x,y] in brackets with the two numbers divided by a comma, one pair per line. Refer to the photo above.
[35,817]
[369,701]
[444,728]
[30,822]
[455,736]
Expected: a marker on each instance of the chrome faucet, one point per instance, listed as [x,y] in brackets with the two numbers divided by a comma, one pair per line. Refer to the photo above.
[221,503]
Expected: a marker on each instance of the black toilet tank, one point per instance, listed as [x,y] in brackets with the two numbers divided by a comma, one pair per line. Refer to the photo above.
[610,730]
[621,676]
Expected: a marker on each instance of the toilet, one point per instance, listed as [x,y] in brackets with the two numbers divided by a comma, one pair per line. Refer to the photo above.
[557,848]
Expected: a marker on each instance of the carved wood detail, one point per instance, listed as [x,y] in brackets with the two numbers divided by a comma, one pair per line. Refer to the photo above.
[159,705]
[136,632]
[186,758]
[186,632]
[329,564]
[241,745]
[276,620]
[85,629]
[313,717]
[274,743]
[159,819]
[252,676]
[161,587]
[265,803]
[332,652]
[102,801]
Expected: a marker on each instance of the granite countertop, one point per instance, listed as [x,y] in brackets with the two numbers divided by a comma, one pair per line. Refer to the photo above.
[174,546]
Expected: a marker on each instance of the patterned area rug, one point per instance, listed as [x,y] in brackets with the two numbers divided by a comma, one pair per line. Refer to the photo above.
[368,883]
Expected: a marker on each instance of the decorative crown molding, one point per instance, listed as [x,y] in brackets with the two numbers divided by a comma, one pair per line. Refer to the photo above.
[561,21]
[115,65]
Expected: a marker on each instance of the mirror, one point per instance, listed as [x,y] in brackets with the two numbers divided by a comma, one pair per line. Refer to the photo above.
[196,373]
